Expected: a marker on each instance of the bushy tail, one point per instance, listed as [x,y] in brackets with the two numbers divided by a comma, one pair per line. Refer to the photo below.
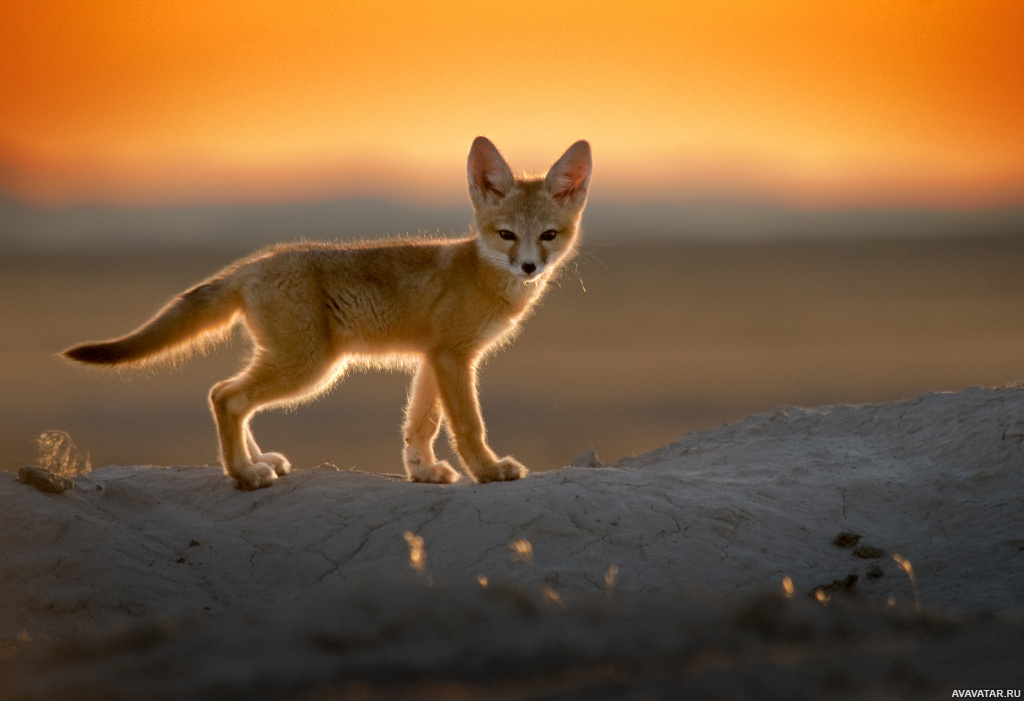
[178,327]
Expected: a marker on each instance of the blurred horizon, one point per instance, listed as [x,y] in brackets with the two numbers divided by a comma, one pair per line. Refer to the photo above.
[789,106]
[27,227]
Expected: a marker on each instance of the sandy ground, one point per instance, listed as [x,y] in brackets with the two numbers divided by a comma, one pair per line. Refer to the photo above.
[661,576]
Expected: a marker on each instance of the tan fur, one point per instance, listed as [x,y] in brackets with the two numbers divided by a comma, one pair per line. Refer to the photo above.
[439,305]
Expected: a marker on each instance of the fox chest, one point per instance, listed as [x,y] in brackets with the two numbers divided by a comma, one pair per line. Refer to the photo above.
[496,330]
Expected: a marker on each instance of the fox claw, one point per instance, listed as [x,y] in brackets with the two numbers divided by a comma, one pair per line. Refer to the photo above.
[255,476]
[438,473]
[506,469]
[277,462]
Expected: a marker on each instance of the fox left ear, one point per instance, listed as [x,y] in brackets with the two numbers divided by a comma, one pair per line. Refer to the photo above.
[569,177]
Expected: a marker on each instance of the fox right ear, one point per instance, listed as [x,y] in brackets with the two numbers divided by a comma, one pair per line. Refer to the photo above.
[489,176]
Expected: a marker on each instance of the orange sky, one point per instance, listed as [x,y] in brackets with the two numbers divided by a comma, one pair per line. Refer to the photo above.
[808,103]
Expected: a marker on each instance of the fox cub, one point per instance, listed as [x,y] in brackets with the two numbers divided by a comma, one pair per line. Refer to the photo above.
[438,305]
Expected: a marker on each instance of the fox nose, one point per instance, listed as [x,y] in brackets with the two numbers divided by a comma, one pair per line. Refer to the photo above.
[528,268]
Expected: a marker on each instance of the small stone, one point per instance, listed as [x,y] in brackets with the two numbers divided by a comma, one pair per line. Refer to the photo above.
[588,459]
[846,539]
[875,572]
[44,480]
[869,552]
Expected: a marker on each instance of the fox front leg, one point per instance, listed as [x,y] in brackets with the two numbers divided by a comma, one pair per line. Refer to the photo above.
[456,382]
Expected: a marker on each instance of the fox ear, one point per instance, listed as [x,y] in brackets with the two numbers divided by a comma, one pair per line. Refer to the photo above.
[490,178]
[569,178]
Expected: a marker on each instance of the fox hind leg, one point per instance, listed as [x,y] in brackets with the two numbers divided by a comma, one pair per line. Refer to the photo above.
[422,424]
[267,381]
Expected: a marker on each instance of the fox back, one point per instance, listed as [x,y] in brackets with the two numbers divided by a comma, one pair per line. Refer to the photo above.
[438,305]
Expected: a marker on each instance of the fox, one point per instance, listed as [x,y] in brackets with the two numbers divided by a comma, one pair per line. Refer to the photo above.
[436,306]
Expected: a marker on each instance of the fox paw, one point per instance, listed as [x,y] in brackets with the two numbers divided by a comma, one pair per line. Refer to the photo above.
[506,469]
[278,463]
[256,475]
[438,473]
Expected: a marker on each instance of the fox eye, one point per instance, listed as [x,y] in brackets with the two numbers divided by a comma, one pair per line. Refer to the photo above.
[506,235]
[549,235]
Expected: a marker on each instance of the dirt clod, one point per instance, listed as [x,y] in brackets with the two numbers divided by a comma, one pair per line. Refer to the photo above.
[869,552]
[846,539]
[44,480]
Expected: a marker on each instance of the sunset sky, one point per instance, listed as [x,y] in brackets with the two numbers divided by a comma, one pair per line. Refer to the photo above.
[800,103]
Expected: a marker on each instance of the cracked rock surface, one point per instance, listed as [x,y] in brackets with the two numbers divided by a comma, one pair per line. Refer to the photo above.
[730,511]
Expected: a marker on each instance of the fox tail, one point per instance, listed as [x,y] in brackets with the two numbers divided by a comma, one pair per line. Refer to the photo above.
[184,324]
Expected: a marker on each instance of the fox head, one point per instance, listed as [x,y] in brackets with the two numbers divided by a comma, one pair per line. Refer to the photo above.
[526,226]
